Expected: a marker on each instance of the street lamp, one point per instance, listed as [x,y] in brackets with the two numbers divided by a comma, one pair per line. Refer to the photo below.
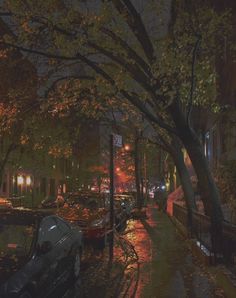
[29,184]
[28,180]
[20,182]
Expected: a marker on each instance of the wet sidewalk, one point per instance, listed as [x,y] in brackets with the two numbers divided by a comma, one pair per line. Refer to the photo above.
[167,268]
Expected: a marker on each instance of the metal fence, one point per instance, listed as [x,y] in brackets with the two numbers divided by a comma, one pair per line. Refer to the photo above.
[201,228]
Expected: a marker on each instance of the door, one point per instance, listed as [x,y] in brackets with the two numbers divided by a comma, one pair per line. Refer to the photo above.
[50,257]
[65,253]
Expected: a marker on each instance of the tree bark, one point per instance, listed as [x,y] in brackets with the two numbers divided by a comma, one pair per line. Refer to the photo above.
[137,172]
[186,183]
[4,161]
[174,148]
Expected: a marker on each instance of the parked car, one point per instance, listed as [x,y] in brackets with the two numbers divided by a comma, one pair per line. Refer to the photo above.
[90,213]
[38,252]
[5,203]
[16,200]
[52,202]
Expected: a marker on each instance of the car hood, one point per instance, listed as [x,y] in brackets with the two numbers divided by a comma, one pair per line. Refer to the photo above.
[9,266]
[76,213]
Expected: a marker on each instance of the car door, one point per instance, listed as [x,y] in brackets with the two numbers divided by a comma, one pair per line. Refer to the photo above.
[48,232]
[65,246]
[43,262]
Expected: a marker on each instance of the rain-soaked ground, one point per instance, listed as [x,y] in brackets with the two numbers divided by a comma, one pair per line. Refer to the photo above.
[150,260]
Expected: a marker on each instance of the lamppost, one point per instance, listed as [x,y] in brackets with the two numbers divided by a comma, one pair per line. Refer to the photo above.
[29,184]
[131,160]
[115,141]
[20,182]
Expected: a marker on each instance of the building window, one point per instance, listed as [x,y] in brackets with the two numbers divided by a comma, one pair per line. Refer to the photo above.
[207,145]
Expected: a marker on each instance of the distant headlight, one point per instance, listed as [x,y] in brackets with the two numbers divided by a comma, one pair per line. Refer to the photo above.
[97,223]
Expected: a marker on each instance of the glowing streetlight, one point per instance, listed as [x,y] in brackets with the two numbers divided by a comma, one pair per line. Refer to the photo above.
[28,180]
[127,147]
[20,180]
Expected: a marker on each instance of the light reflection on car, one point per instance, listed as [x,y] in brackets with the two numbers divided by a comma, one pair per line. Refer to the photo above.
[38,252]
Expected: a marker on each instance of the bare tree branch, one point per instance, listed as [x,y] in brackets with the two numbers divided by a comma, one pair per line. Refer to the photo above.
[135,72]
[190,104]
[37,52]
[142,107]
[54,83]
[131,52]
[134,21]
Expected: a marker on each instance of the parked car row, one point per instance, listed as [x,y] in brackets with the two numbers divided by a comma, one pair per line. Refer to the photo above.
[88,209]
[40,250]
[91,212]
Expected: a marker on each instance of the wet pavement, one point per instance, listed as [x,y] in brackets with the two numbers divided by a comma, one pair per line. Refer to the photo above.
[167,268]
[151,260]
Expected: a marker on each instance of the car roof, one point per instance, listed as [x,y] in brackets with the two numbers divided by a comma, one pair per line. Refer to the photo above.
[22,216]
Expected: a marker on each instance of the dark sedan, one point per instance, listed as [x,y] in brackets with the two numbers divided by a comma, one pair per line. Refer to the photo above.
[38,252]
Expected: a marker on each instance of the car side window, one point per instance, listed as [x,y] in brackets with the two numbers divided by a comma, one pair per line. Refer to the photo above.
[63,227]
[48,231]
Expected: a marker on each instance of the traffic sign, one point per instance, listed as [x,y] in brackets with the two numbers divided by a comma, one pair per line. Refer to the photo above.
[117,140]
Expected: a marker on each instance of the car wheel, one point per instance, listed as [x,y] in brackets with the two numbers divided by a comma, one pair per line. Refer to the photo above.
[77,263]
[25,294]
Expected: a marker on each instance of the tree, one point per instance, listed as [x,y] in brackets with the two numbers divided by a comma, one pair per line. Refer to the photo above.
[128,61]
[17,93]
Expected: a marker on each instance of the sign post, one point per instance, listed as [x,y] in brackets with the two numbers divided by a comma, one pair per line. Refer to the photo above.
[115,141]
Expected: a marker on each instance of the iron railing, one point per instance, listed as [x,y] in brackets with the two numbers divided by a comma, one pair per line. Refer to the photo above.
[201,229]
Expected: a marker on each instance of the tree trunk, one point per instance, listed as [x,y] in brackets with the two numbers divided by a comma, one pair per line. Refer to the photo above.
[208,189]
[137,172]
[4,160]
[177,156]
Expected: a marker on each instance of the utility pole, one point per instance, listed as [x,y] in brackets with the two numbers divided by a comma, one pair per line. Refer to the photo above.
[115,141]
[111,243]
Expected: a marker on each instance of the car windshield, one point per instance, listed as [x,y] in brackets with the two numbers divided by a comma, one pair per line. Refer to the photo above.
[87,201]
[16,240]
